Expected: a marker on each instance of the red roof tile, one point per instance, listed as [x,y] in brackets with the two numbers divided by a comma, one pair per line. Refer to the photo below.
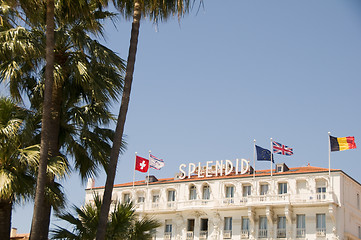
[259,173]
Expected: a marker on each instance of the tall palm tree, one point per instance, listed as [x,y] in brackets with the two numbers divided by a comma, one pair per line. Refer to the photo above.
[123,223]
[156,10]
[88,76]
[18,163]
[46,130]
[15,179]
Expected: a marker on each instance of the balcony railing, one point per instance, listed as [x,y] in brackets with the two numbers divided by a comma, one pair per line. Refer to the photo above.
[171,205]
[245,234]
[190,235]
[300,232]
[237,202]
[203,234]
[262,233]
[321,232]
[167,236]
[281,233]
[227,234]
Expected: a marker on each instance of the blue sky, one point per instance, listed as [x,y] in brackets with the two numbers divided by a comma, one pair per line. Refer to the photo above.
[206,87]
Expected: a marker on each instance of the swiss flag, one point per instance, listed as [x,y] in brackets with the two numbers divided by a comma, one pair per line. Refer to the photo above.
[141,164]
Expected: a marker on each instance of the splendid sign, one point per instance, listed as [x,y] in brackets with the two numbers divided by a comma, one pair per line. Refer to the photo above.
[206,170]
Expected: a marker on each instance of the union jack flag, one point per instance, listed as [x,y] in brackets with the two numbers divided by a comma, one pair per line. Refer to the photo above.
[282,149]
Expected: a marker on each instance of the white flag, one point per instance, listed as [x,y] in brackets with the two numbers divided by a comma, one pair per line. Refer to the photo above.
[155,162]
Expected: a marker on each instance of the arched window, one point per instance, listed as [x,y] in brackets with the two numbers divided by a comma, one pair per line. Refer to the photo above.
[192,193]
[126,197]
[171,195]
[206,194]
[229,191]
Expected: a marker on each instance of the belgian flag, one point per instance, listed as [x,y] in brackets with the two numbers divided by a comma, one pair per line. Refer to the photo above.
[343,143]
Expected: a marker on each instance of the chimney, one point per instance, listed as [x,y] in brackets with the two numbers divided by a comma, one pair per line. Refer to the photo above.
[13,232]
[150,179]
[90,184]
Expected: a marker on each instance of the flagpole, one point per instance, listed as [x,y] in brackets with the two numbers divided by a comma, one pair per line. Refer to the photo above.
[135,165]
[148,168]
[271,157]
[254,159]
[329,154]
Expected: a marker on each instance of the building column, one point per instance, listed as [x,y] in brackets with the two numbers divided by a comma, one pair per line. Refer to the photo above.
[196,227]
[332,211]
[216,222]
[251,217]
[289,224]
[180,225]
[269,214]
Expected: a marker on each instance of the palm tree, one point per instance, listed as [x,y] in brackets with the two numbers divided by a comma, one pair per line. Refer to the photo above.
[157,11]
[15,179]
[18,163]
[123,223]
[88,76]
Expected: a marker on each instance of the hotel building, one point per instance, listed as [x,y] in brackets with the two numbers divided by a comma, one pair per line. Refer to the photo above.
[287,203]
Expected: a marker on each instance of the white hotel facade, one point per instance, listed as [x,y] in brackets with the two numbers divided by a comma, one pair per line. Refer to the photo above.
[296,203]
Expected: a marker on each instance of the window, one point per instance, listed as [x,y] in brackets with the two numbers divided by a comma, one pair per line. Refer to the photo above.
[282,188]
[279,169]
[300,226]
[204,228]
[155,198]
[264,189]
[141,199]
[229,191]
[281,227]
[246,190]
[126,198]
[321,224]
[262,233]
[359,232]
[190,228]
[153,233]
[192,193]
[206,193]
[321,192]
[358,201]
[171,196]
[227,233]
[168,229]
[245,227]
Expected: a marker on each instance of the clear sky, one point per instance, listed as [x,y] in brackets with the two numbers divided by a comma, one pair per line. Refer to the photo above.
[236,71]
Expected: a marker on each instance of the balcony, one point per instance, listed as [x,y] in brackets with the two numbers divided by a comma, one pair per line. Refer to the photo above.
[239,202]
[155,205]
[171,205]
[228,201]
[167,236]
[190,235]
[227,234]
[203,235]
[321,232]
[262,233]
[245,234]
[281,233]
[300,232]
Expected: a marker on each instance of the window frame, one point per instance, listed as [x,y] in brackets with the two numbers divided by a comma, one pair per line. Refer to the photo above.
[192,192]
[282,188]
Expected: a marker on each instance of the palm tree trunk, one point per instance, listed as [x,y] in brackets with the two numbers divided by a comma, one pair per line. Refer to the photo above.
[5,219]
[117,141]
[36,233]
[57,93]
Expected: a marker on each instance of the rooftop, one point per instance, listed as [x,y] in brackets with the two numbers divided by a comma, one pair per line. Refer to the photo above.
[258,173]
